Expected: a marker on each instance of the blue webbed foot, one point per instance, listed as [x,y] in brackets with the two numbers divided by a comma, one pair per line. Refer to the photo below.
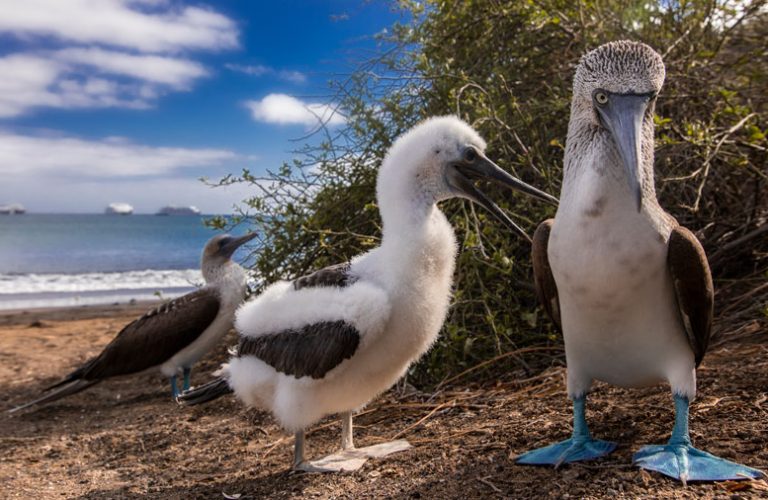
[685,463]
[575,449]
[678,459]
[579,447]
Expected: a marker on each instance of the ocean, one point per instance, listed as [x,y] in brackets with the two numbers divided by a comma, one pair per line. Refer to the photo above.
[63,260]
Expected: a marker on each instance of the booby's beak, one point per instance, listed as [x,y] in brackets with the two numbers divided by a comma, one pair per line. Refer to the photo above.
[623,116]
[228,248]
[460,175]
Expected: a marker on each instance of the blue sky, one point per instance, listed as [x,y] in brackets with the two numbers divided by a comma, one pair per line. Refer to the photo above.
[132,100]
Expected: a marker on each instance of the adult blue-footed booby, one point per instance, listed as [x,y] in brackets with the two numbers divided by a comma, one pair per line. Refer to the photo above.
[630,288]
[330,342]
[174,335]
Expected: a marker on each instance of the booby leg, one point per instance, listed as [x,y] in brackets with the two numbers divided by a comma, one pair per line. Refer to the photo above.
[678,459]
[347,438]
[350,458]
[579,447]
[174,389]
[298,450]
[187,372]
[346,460]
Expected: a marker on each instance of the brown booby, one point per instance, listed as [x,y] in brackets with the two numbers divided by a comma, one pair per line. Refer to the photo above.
[628,286]
[330,342]
[174,335]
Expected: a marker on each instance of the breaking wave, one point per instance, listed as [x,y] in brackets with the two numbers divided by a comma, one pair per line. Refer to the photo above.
[98,282]
[22,291]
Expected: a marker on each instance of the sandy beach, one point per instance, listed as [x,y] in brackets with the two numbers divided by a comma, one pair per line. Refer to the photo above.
[124,438]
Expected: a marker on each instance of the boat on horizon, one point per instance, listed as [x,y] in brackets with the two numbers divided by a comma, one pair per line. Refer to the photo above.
[12,209]
[118,209]
[178,210]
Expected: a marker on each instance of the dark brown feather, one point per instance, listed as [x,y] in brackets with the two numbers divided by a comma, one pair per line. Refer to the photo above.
[312,351]
[695,292]
[336,275]
[153,338]
[544,282]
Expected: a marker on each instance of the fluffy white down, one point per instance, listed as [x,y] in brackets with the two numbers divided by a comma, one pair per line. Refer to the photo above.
[280,307]
[298,402]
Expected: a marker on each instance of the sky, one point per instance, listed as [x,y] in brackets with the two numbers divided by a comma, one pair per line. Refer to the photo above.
[133,101]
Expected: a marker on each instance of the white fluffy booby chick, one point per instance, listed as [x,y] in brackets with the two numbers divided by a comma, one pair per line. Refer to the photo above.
[630,288]
[174,335]
[330,342]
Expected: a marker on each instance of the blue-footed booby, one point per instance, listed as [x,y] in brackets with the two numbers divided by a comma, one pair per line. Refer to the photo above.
[330,342]
[628,286]
[174,335]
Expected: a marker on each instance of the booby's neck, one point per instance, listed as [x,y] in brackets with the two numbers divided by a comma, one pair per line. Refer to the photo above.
[417,240]
[591,152]
[217,271]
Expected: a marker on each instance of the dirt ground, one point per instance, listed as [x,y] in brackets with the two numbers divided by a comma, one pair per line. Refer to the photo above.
[125,438]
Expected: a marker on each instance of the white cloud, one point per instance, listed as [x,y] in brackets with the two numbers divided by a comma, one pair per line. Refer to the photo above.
[174,72]
[284,109]
[292,76]
[143,62]
[261,70]
[68,79]
[45,157]
[147,26]
[25,83]
[249,69]
[31,81]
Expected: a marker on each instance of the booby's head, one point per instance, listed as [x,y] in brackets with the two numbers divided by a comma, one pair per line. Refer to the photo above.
[219,250]
[616,86]
[436,160]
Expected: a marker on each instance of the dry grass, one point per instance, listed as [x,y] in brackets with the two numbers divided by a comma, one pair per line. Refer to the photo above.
[125,439]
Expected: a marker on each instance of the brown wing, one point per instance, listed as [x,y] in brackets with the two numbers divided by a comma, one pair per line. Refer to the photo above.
[693,287]
[155,337]
[546,288]
[312,350]
[337,275]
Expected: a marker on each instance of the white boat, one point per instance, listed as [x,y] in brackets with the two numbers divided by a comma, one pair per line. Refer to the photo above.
[118,209]
[12,209]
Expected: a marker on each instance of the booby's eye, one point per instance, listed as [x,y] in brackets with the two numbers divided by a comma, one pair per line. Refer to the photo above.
[470,154]
[601,98]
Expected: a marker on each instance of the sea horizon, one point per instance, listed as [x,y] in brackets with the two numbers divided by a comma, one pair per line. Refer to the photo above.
[67,260]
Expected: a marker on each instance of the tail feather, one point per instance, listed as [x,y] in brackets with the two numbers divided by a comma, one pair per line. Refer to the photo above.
[198,395]
[75,375]
[67,390]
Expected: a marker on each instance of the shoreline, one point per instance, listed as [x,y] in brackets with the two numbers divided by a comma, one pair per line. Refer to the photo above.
[58,300]
[35,316]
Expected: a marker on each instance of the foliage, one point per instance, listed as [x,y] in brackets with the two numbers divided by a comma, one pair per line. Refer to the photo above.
[506,67]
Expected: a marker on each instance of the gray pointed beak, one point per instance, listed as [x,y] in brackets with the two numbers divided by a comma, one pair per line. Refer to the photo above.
[229,248]
[460,178]
[623,117]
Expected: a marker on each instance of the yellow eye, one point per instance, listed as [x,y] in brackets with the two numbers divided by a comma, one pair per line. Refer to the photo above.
[601,98]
